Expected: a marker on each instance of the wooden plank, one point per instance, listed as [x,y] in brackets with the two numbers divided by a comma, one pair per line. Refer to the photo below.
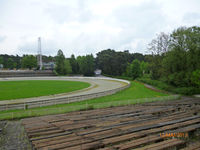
[38,134]
[171,143]
[193,146]
[57,141]
[138,142]
[50,136]
[88,146]
[129,135]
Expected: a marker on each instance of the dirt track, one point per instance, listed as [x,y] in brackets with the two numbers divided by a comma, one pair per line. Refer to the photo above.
[145,126]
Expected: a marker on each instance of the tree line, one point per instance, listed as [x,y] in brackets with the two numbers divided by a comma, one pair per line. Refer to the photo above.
[174,58]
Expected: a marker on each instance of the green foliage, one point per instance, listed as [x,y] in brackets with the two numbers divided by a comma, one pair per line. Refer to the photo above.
[29,61]
[134,70]
[86,65]
[196,77]
[74,65]
[60,62]
[144,67]
[115,63]
[1,60]
[10,63]
[187,90]
[167,87]
[177,62]
[67,67]
[183,57]
[63,65]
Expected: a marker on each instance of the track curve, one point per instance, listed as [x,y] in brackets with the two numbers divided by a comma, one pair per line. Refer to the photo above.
[100,86]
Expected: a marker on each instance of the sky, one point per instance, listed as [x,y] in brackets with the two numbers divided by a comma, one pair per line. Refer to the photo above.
[83,27]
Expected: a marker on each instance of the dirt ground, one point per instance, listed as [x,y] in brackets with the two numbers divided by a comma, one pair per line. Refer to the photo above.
[13,136]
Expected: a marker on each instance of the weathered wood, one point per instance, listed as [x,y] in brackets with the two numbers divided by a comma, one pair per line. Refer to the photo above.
[171,143]
[127,127]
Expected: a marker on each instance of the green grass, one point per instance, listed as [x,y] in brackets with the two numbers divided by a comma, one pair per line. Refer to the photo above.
[136,93]
[34,88]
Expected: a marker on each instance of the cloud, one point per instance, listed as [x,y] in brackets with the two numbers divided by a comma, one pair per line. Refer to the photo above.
[192,18]
[2,38]
[83,27]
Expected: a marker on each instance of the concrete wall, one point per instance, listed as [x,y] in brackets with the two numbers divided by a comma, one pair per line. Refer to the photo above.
[25,73]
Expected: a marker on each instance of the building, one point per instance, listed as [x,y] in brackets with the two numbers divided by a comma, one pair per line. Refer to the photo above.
[1,66]
[48,65]
[97,72]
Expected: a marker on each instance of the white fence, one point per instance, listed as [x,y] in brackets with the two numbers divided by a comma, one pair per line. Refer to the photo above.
[65,100]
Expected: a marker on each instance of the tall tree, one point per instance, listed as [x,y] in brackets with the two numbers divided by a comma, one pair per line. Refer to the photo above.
[60,63]
[183,57]
[117,61]
[86,65]
[74,64]
[135,69]
[160,44]
[1,60]
[67,67]
[10,63]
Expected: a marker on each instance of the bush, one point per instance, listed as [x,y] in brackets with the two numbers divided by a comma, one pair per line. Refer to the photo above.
[164,86]
[187,90]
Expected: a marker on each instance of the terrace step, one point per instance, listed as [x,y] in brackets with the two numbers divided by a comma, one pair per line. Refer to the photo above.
[171,143]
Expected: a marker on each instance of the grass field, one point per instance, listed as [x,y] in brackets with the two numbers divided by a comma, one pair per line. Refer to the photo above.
[34,88]
[136,93]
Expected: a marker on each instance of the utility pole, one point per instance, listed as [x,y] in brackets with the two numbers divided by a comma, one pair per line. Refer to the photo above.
[39,58]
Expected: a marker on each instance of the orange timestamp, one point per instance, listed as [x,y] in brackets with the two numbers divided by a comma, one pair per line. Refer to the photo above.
[173,134]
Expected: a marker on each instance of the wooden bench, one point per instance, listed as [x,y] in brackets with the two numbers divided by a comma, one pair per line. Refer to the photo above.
[193,146]
[171,143]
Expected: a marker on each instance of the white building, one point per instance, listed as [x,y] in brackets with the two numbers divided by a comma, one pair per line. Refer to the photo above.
[97,72]
[48,65]
[1,66]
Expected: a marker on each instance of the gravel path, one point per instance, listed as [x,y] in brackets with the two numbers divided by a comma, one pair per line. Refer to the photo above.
[13,136]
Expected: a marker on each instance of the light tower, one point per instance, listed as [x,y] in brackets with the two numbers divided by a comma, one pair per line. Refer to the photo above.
[39,59]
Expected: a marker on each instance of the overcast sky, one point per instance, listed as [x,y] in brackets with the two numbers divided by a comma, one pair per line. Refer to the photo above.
[88,26]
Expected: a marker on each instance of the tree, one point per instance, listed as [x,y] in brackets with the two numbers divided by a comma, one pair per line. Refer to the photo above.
[135,69]
[183,57]
[196,77]
[29,61]
[67,67]
[1,60]
[60,63]
[160,44]
[144,67]
[117,61]
[74,64]
[86,65]
[10,63]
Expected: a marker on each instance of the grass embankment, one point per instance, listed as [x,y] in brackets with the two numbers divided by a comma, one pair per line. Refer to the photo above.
[164,86]
[136,93]
[34,88]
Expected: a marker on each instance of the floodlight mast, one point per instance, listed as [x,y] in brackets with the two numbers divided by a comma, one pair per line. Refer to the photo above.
[39,54]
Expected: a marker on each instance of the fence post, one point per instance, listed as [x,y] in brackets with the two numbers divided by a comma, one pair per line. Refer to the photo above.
[86,105]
